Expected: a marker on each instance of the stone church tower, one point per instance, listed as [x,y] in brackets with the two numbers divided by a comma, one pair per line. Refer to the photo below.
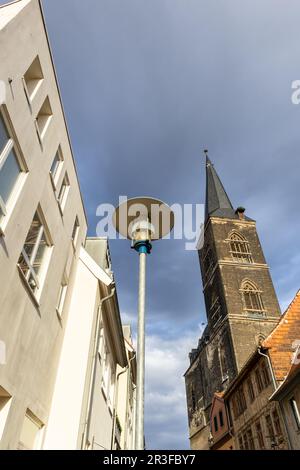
[241,304]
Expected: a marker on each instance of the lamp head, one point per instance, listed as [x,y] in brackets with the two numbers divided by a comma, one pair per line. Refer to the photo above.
[143,219]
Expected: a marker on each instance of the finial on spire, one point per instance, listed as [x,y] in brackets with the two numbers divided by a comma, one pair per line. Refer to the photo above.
[208,163]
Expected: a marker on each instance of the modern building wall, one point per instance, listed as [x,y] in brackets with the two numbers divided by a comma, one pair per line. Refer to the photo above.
[83,404]
[30,326]
[60,325]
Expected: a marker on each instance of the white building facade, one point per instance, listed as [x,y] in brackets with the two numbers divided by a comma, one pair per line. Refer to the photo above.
[52,295]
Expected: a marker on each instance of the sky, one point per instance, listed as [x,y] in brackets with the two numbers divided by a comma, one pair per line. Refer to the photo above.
[146,86]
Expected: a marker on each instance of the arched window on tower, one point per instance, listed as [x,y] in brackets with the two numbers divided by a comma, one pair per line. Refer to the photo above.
[215,309]
[208,262]
[240,248]
[252,298]
[193,399]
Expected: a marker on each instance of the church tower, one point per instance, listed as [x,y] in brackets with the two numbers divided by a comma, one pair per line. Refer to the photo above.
[241,303]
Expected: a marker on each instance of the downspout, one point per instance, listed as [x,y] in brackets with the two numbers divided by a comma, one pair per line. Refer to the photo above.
[127,401]
[275,388]
[94,368]
[116,401]
[270,367]
[115,406]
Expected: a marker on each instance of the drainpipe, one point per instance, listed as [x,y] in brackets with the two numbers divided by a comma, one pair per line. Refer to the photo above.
[275,388]
[127,401]
[270,367]
[115,406]
[94,368]
[116,402]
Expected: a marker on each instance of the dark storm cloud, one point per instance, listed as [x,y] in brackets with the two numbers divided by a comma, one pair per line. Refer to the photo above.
[146,86]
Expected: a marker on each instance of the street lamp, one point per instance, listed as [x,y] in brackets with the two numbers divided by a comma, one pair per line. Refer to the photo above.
[142,220]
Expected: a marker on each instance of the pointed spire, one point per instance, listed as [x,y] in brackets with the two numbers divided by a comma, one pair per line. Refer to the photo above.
[217,201]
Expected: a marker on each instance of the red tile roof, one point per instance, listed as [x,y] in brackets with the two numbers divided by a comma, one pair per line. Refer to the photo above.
[280,341]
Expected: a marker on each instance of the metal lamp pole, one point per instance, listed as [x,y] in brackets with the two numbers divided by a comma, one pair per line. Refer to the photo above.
[142,231]
[143,248]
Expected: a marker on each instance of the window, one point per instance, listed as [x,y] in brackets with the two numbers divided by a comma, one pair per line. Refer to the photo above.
[101,350]
[240,403]
[221,419]
[111,392]
[63,192]
[260,437]
[56,166]
[234,406]
[31,259]
[277,424]
[223,363]
[33,79]
[43,119]
[295,411]
[75,231]
[108,376]
[10,167]
[216,424]
[246,443]
[106,369]
[270,430]
[62,295]
[239,248]
[243,402]
[5,403]
[250,439]
[241,444]
[208,262]
[265,375]
[250,389]
[215,309]
[252,298]
[30,433]
[258,379]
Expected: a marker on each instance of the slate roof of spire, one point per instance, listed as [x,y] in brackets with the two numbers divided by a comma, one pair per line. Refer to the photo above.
[217,202]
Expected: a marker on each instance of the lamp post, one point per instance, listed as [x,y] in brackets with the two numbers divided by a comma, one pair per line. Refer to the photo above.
[142,220]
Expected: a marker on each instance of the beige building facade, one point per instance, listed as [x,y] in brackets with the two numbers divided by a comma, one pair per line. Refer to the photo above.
[256,423]
[56,293]
[288,397]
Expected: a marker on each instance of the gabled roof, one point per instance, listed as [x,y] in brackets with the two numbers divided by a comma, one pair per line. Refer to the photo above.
[280,341]
[218,396]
